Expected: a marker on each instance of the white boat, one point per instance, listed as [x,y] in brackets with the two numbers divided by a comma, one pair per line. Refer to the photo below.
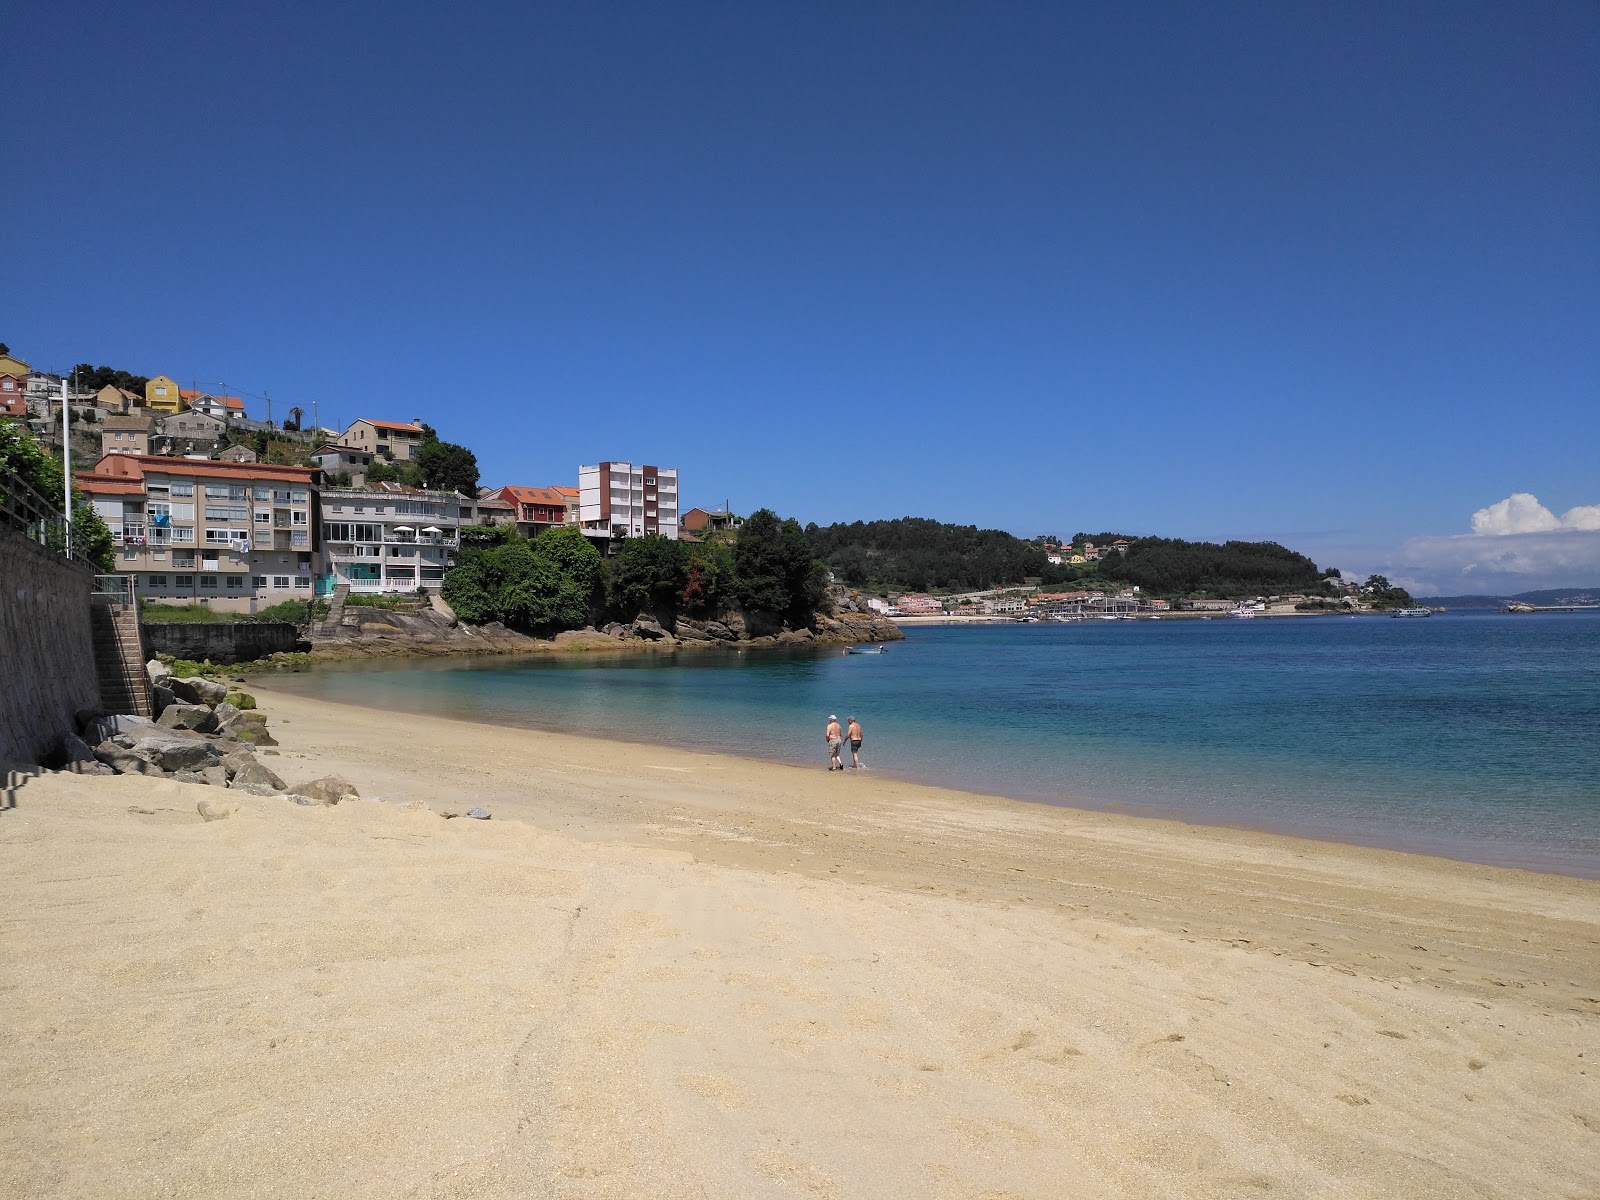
[864,650]
[1243,612]
[1412,612]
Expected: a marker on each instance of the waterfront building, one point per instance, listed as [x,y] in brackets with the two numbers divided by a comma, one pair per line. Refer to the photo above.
[620,500]
[386,439]
[236,536]
[700,521]
[389,538]
[536,509]
[919,605]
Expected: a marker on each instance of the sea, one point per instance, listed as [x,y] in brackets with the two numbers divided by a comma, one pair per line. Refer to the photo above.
[1473,736]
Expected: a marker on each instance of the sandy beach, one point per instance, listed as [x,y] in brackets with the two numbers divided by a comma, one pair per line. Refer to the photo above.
[666,974]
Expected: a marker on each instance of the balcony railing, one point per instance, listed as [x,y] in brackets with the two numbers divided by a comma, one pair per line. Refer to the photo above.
[30,514]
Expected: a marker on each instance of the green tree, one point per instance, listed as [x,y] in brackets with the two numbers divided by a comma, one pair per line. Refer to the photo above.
[647,575]
[381,473]
[448,467]
[581,571]
[774,569]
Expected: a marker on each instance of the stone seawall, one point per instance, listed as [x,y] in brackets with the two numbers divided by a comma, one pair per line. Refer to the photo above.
[47,668]
[222,643]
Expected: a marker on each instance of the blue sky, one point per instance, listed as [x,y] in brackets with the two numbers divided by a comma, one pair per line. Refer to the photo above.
[1321,273]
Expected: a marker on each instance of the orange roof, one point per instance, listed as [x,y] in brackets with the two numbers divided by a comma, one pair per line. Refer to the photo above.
[107,485]
[134,466]
[533,495]
[564,490]
[389,424]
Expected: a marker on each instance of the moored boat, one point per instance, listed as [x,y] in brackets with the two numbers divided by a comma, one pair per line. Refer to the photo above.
[1412,612]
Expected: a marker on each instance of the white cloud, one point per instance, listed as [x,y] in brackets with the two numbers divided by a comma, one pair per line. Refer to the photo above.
[1515,545]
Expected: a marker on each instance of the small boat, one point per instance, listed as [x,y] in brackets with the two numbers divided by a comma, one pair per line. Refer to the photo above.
[1243,612]
[1412,612]
[864,649]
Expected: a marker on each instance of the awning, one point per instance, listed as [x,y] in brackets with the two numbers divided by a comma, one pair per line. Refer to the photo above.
[432,529]
[404,529]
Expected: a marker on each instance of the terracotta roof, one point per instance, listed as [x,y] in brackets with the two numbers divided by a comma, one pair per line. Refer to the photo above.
[117,423]
[133,466]
[534,495]
[106,485]
[564,490]
[388,424]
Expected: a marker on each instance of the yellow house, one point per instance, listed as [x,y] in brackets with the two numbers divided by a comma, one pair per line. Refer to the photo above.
[14,366]
[161,394]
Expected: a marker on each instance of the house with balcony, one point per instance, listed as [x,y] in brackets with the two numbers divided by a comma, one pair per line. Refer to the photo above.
[389,538]
[239,537]
[536,509]
[384,439]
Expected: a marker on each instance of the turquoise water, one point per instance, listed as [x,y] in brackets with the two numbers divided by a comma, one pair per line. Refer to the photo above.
[1475,736]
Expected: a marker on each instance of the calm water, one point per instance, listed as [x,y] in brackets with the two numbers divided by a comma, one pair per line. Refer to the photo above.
[1476,736]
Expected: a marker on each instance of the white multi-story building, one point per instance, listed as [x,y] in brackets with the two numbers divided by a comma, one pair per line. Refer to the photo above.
[620,500]
[389,539]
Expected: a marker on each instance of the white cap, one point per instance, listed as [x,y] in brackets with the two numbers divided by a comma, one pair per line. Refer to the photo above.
[831,717]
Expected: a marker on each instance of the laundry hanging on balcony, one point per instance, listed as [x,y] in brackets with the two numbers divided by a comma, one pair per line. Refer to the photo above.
[161,520]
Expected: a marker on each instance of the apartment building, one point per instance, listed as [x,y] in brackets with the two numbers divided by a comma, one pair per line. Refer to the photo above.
[387,439]
[389,538]
[620,500]
[237,536]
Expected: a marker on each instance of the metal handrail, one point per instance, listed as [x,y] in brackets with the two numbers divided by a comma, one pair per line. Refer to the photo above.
[23,509]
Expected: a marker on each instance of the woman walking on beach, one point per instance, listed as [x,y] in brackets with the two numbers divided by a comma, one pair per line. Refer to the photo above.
[853,735]
[835,739]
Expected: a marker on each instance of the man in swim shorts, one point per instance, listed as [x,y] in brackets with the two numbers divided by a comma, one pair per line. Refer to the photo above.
[853,734]
[835,739]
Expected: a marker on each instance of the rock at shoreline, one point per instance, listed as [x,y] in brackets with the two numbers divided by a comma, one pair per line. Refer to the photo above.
[157,671]
[188,716]
[330,790]
[124,761]
[478,814]
[216,810]
[103,728]
[647,627]
[197,690]
[243,701]
[258,780]
[162,698]
[173,752]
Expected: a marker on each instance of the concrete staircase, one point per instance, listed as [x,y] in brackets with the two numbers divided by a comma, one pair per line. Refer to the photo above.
[119,657]
[330,625]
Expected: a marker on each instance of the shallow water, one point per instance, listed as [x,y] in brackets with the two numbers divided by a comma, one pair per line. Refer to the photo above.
[1474,736]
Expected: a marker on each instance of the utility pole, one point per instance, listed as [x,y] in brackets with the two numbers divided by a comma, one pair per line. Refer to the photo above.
[268,400]
[66,462]
[316,423]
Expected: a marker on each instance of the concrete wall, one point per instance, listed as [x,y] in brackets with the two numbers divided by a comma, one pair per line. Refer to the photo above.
[47,669]
[223,643]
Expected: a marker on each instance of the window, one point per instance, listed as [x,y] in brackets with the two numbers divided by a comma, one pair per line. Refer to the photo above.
[227,512]
[258,581]
[280,581]
[335,508]
[235,582]
[297,495]
[130,554]
[227,537]
[209,582]
[226,491]
[262,492]
[183,533]
[158,581]
[299,517]
[185,583]
[302,581]
[263,518]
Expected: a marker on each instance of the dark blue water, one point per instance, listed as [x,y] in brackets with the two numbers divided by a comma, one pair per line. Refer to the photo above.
[1475,736]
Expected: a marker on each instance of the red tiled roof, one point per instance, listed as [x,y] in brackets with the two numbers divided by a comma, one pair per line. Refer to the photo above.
[106,485]
[533,495]
[134,466]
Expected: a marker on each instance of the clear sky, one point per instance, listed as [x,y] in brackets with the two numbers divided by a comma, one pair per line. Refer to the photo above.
[1321,273]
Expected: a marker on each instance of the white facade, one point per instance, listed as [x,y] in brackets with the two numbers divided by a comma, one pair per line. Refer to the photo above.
[619,500]
[379,541]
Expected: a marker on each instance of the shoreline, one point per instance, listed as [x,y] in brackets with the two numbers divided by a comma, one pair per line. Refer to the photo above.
[672,973]
[1457,851]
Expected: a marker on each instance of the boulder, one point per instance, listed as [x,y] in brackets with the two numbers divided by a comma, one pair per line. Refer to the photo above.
[224,713]
[161,698]
[174,752]
[720,631]
[330,789]
[195,777]
[478,814]
[254,778]
[158,671]
[88,767]
[196,690]
[236,757]
[240,700]
[216,809]
[123,761]
[795,637]
[690,631]
[647,627]
[188,716]
[612,629]
[73,749]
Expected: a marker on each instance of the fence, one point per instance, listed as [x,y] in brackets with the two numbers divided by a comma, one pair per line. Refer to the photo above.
[30,514]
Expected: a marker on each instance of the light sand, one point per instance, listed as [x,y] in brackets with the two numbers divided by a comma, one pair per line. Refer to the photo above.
[667,974]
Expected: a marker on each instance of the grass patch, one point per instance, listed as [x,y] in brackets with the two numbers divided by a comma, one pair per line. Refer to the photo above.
[368,600]
[299,612]
[186,614]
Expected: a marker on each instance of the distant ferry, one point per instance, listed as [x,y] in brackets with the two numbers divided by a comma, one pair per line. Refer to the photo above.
[1412,612]
[1243,612]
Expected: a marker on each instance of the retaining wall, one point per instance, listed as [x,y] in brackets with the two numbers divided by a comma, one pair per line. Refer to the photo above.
[232,642]
[47,669]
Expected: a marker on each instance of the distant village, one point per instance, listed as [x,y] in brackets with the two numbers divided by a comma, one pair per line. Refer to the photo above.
[204,508]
